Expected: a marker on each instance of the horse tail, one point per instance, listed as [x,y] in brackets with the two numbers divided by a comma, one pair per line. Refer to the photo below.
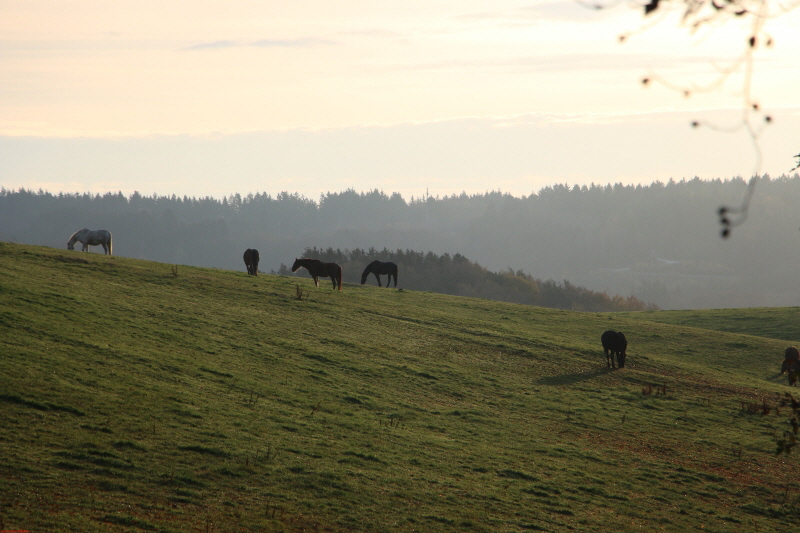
[109,243]
[340,278]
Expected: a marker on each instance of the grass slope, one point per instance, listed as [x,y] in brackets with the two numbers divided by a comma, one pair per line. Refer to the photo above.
[136,400]
[762,322]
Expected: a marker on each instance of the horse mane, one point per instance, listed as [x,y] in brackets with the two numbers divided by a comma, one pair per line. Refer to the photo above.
[80,231]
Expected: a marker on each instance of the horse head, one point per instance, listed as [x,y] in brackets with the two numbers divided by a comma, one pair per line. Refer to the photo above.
[622,346]
[296,265]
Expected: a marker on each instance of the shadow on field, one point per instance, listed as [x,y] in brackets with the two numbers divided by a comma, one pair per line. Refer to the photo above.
[571,379]
[779,378]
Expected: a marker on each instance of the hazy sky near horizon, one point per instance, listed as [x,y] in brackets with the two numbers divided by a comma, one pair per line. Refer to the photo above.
[214,98]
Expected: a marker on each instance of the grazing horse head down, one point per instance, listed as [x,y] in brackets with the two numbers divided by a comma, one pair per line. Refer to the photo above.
[614,343]
[378,268]
[317,268]
[791,364]
[251,261]
[88,238]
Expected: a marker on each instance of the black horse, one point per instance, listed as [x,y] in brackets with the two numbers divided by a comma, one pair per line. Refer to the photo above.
[317,268]
[379,269]
[614,343]
[791,364]
[251,261]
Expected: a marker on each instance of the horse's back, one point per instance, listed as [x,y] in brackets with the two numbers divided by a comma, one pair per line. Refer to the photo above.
[609,339]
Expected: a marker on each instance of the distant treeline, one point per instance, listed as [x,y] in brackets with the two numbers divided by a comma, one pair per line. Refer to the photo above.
[459,276]
[658,242]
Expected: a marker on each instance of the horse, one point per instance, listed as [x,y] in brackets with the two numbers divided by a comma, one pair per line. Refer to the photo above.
[614,342]
[379,269]
[88,238]
[251,261]
[317,268]
[791,364]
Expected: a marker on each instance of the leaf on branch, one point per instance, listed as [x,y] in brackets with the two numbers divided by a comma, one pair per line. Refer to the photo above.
[650,7]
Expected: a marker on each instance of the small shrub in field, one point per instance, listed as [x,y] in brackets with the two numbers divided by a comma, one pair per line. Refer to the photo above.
[300,294]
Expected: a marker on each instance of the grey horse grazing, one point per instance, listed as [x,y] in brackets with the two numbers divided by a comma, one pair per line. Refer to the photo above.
[614,343]
[251,261]
[88,238]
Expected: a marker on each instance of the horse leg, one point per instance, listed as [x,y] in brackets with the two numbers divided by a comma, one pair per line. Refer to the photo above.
[316,280]
[609,360]
[378,278]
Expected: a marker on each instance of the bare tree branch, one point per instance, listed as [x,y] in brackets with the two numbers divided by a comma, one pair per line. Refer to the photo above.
[699,13]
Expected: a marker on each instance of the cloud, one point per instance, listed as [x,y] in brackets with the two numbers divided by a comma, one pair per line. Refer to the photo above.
[557,63]
[575,11]
[292,43]
[520,154]
[586,11]
[212,46]
[302,42]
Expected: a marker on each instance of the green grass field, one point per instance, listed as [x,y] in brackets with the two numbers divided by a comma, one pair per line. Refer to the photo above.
[139,396]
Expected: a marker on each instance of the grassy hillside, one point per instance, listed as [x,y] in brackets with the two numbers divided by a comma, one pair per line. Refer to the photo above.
[139,398]
[762,322]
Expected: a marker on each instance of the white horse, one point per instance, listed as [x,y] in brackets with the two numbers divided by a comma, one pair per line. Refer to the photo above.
[88,238]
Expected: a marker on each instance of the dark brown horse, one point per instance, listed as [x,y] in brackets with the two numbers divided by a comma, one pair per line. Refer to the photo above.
[379,269]
[614,343]
[317,268]
[791,364]
[251,261]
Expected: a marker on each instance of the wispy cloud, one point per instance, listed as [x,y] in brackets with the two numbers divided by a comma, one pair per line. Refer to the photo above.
[585,11]
[538,13]
[292,43]
[213,46]
[556,63]
[303,42]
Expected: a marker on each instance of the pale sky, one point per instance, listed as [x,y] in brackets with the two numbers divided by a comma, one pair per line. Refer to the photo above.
[213,98]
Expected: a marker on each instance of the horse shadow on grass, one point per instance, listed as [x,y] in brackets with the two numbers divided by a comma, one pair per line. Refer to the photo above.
[571,379]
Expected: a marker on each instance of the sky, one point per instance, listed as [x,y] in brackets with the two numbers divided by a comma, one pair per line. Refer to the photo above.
[212,98]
